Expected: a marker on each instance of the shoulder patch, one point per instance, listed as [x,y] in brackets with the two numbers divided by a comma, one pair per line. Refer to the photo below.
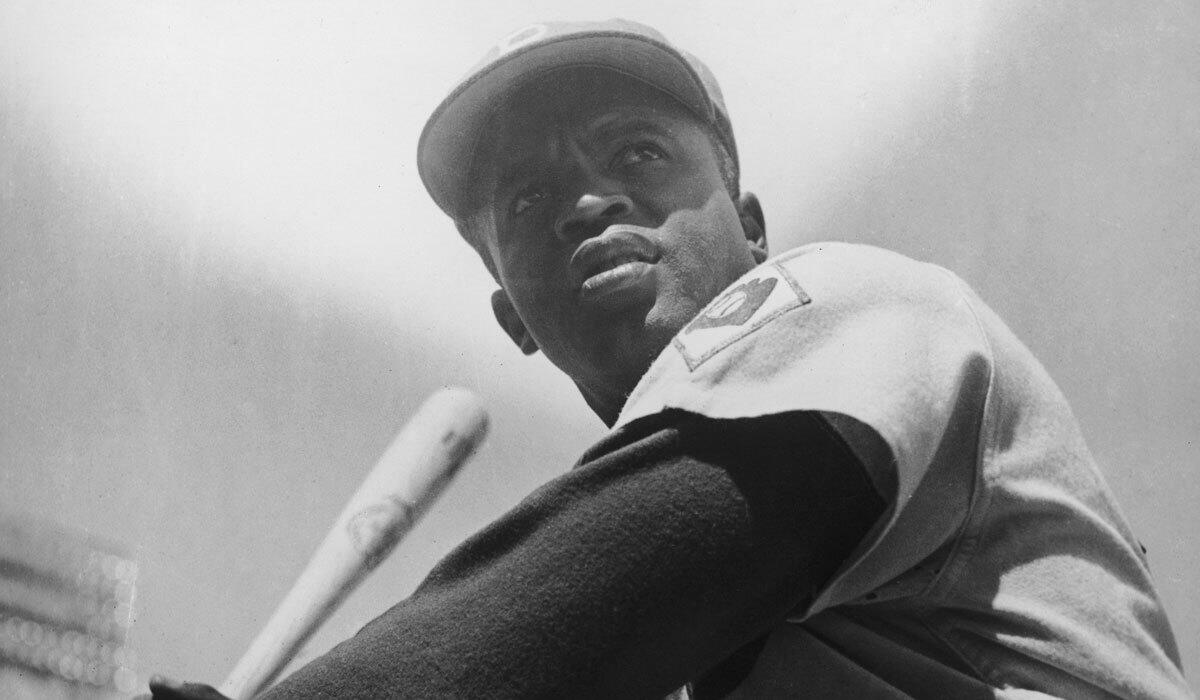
[764,293]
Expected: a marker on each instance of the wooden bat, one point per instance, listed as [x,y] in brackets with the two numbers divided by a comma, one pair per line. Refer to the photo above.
[411,473]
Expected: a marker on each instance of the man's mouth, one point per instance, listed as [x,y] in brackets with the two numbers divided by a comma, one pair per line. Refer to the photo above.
[620,260]
[611,278]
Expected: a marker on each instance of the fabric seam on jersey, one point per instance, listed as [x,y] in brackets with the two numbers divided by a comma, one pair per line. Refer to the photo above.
[963,550]
[994,674]
[837,649]
[965,540]
[950,647]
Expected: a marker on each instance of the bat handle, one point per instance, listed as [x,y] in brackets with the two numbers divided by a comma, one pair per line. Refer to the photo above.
[412,472]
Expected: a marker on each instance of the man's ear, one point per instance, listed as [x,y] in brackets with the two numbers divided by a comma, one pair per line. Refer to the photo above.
[512,324]
[753,225]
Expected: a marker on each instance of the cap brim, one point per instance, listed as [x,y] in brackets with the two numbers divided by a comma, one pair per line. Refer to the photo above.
[445,152]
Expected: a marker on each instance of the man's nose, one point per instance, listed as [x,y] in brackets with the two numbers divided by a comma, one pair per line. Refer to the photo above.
[591,214]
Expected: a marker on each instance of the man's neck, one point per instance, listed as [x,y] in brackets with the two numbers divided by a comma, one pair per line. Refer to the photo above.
[607,408]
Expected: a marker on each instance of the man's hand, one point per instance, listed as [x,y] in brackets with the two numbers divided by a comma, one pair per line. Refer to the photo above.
[162,688]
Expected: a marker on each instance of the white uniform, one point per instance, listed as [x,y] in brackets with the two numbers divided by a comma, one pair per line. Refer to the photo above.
[1002,566]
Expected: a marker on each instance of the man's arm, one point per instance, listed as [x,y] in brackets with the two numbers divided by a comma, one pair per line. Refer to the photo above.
[674,543]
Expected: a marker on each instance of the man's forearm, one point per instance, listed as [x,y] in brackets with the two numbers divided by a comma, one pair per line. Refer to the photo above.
[672,545]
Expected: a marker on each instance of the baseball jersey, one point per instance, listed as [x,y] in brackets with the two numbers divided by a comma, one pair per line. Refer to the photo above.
[1002,566]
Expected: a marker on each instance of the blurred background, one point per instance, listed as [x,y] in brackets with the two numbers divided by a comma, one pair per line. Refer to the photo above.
[223,288]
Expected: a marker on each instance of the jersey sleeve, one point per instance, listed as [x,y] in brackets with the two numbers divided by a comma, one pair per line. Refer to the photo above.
[889,351]
[667,548]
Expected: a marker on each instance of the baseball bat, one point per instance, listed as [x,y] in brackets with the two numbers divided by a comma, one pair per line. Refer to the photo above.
[411,473]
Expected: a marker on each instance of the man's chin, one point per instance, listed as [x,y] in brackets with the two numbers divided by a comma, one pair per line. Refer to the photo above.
[631,355]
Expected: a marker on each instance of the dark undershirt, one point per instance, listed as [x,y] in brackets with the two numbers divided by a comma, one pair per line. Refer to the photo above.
[666,555]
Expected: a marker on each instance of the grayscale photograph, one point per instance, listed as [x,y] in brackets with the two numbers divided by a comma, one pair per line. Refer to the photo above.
[683,350]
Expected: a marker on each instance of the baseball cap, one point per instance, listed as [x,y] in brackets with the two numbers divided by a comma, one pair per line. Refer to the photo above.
[447,146]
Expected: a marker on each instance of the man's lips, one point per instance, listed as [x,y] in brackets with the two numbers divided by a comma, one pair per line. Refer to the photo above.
[619,255]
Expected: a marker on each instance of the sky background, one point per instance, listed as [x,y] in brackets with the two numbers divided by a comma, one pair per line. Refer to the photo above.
[223,288]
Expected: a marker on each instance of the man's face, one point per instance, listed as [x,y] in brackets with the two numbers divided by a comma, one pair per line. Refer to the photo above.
[612,227]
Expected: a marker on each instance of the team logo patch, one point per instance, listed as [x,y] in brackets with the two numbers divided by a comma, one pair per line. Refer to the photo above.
[736,306]
[766,293]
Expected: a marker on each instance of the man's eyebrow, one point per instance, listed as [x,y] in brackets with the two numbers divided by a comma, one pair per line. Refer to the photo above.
[506,174]
[607,125]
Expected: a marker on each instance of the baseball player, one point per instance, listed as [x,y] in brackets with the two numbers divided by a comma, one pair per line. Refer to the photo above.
[831,473]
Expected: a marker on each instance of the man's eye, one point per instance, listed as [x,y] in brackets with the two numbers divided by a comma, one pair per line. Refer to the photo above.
[526,198]
[637,153]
